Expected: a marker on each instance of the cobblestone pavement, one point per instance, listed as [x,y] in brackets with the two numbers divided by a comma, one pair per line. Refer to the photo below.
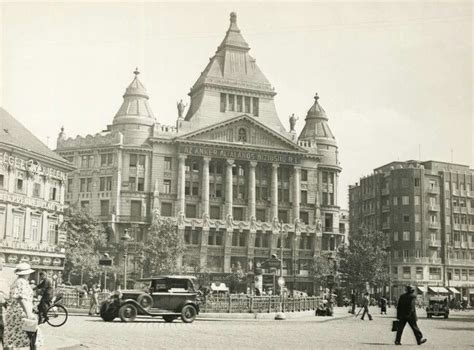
[306,333]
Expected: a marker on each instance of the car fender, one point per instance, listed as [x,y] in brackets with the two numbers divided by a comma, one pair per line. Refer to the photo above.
[136,304]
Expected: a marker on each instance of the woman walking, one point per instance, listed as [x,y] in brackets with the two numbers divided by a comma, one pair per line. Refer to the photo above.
[21,306]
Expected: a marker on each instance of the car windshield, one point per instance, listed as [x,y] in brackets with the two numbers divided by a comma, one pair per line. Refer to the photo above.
[142,285]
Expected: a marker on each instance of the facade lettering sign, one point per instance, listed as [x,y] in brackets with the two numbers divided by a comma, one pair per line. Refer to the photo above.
[31,165]
[33,202]
[241,154]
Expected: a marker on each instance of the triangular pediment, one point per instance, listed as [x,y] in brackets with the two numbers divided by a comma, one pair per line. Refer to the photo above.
[243,130]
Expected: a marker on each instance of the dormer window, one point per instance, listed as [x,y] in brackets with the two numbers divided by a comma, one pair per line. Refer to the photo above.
[242,135]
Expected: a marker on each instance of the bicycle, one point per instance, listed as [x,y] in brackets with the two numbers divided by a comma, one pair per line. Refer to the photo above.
[56,314]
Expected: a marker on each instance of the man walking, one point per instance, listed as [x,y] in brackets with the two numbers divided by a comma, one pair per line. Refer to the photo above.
[365,305]
[406,312]
[45,290]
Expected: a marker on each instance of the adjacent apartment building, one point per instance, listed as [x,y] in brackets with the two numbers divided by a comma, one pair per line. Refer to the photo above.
[32,191]
[226,174]
[427,211]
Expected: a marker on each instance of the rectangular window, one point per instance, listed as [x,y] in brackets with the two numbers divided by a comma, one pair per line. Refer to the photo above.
[136,209]
[238,213]
[52,193]
[232,103]
[166,209]
[223,102]
[417,218]
[261,215]
[168,161]
[304,217]
[20,186]
[88,184]
[69,185]
[247,104]
[417,253]
[405,182]
[435,273]
[52,233]
[83,185]
[255,106]
[215,212]
[405,253]
[417,200]
[419,272]
[106,159]
[406,272]
[105,183]
[395,200]
[304,197]
[34,229]
[240,107]
[191,211]
[406,235]
[395,236]
[132,184]
[195,191]
[304,175]
[405,200]
[166,186]
[36,190]
[417,182]
[141,160]
[2,181]
[283,215]
[104,207]
[17,226]
[133,161]
[417,236]
[406,218]
[141,184]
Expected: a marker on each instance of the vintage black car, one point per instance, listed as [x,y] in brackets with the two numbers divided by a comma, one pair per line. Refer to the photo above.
[437,306]
[169,297]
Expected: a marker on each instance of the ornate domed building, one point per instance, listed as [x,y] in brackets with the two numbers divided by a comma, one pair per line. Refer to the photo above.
[228,174]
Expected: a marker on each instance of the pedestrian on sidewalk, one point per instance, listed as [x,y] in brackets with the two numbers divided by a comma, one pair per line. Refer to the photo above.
[94,301]
[365,305]
[383,305]
[406,313]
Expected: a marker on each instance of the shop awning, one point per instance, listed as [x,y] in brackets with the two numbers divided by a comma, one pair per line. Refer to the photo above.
[440,290]
[454,290]
[422,289]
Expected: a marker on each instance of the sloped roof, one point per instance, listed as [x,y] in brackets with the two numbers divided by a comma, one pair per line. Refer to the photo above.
[13,133]
[232,65]
[135,101]
[316,126]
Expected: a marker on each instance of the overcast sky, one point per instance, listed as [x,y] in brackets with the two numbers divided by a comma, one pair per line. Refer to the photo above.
[394,78]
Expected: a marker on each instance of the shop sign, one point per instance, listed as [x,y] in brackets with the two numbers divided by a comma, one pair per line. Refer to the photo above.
[32,166]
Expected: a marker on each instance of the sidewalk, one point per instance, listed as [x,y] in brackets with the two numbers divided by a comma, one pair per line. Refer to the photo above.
[60,343]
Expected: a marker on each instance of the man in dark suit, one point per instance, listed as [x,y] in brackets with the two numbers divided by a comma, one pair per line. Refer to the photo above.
[406,312]
[45,290]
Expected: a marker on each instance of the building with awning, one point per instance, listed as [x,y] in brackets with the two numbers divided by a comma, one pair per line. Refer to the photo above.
[438,290]
[453,290]
[422,289]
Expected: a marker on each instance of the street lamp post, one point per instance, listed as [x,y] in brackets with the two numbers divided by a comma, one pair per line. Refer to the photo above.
[281,282]
[125,238]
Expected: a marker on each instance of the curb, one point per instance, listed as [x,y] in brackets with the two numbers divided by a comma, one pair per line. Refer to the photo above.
[66,343]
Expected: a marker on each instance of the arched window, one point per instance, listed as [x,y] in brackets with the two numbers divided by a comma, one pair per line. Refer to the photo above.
[242,135]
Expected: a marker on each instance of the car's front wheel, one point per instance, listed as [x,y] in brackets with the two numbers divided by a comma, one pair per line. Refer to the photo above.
[128,313]
[188,313]
[108,312]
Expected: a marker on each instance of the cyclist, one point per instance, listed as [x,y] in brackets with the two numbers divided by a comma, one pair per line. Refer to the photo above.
[45,290]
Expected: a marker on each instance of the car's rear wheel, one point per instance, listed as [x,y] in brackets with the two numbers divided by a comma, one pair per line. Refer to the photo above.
[128,313]
[108,312]
[145,301]
[188,313]
[169,318]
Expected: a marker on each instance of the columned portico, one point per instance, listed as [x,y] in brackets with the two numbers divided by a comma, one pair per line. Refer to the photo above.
[296,192]
[251,190]
[205,185]
[228,187]
[274,199]
[181,183]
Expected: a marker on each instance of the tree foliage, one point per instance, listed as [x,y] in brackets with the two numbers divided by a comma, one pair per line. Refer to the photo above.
[85,239]
[363,261]
[162,248]
[321,268]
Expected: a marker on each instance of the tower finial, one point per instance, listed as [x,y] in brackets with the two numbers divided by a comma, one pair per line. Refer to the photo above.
[316,97]
[233,17]
[136,71]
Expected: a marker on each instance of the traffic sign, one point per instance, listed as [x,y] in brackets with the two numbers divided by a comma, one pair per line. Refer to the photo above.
[272,263]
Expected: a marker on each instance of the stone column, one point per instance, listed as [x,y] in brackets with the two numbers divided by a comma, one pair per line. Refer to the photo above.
[252,197]
[228,187]
[181,183]
[274,194]
[296,192]
[205,186]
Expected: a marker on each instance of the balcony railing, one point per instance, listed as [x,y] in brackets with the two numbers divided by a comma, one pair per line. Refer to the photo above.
[435,243]
[385,208]
[386,226]
[470,211]
[457,244]
[433,207]
[463,210]
[456,227]
[385,191]
[463,227]
[471,228]
[464,245]
[456,210]
[133,218]
[433,190]
[455,192]
[434,225]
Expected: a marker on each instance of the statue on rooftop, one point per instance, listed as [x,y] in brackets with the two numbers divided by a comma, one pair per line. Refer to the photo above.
[293,120]
[181,107]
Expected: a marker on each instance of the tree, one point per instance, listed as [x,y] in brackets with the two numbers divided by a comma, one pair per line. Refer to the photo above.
[85,239]
[162,248]
[321,268]
[363,261]
[236,278]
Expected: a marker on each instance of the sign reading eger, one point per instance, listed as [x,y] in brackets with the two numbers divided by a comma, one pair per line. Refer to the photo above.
[240,154]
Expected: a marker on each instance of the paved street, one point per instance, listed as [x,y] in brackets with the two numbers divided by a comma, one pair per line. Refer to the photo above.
[309,332]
